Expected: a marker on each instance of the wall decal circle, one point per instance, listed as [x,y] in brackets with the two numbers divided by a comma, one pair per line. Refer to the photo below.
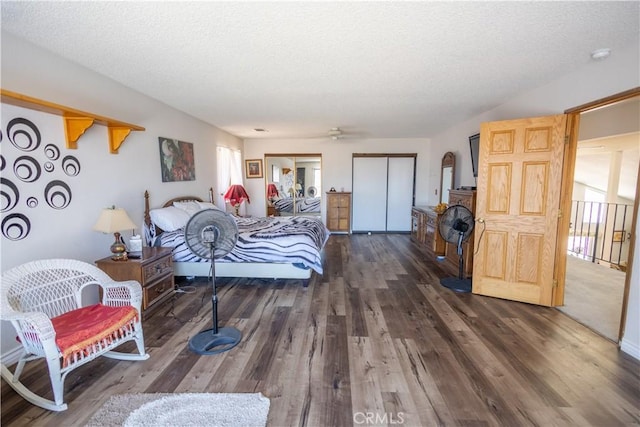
[49,167]
[52,152]
[15,226]
[3,162]
[9,195]
[23,134]
[26,169]
[71,165]
[32,202]
[57,194]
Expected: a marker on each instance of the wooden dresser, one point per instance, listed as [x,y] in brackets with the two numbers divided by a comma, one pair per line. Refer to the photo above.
[339,211]
[466,198]
[424,229]
[154,271]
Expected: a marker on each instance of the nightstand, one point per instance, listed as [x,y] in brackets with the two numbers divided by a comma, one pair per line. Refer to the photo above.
[154,271]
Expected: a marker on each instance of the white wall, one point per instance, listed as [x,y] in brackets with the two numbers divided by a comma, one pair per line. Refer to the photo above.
[105,179]
[336,162]
[631,339]
[579,190]
[594,81]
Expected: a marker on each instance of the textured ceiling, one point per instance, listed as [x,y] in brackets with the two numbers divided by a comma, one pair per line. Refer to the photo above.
[297,69]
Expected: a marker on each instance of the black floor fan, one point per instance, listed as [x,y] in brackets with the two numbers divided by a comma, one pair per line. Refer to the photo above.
[212,234]
[455,226]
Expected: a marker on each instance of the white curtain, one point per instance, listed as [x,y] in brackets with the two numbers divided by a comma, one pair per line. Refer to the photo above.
[229,172]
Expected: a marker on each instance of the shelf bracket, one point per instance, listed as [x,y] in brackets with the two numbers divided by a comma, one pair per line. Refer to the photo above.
[117,136]
[74,128]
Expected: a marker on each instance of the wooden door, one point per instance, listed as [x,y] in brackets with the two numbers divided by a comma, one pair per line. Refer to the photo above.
[518,203]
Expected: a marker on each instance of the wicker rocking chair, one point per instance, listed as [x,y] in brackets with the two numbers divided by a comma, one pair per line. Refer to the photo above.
[43,301]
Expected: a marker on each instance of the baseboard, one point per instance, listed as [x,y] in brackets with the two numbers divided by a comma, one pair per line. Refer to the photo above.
[632,349]
[12,356]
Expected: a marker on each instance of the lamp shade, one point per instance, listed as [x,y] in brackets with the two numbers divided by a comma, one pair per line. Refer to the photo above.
[298,186]
[113,220]
[272,191]
[236,194]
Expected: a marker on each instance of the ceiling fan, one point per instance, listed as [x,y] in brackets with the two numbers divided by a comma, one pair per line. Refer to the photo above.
[335,133]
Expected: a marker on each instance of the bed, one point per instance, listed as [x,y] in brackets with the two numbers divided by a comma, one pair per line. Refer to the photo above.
[303,205]
[271,247]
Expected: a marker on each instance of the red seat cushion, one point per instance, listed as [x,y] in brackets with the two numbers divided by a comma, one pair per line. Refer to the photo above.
[79,330]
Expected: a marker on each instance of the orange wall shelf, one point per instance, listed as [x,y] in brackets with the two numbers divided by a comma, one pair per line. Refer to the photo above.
[76,122]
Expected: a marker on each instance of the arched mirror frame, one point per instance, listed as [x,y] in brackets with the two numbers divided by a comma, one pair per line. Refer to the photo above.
[447,176]
[294,160]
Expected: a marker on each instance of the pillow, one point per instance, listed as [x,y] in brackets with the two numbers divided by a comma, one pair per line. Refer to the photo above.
[169,218]
[207,205]
[190,207]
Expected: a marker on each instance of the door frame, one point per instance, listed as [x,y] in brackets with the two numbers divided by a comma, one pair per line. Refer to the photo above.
[566,191]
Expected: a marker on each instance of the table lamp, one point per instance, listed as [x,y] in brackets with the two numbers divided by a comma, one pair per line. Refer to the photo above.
[236,195]
[113,220]
[272,192]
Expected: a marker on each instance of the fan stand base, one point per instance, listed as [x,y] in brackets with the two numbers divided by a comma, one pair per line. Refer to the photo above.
[456,284]
[206,342]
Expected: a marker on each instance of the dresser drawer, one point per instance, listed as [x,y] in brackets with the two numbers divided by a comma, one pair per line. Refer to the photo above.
[338,211]
[463,197]
[156,269]
[157,291]
[432,220]
[463,201]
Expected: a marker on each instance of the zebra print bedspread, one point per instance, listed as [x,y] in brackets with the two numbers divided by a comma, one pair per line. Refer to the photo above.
[309,204]
[291,240]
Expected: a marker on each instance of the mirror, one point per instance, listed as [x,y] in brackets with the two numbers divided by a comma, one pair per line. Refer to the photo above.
[447,174]
[294,184]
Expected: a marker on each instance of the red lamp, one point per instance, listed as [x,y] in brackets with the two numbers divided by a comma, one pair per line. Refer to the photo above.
[236,195]
[272,191]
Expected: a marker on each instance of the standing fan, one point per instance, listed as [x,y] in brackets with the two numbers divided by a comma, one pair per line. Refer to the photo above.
[212,234]
[311,191]
[455,226]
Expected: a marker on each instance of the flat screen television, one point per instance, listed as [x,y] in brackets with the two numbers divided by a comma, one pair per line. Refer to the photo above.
[474,146]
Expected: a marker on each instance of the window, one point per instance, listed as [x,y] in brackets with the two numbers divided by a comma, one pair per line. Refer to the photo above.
[317,178]
[594,202]
[229,171]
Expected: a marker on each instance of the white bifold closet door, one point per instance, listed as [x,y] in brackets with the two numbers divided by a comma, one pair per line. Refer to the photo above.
[369,196]
[400,193]
[383,189]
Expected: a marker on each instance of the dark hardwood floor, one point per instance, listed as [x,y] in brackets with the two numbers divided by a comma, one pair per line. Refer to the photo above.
[376,339]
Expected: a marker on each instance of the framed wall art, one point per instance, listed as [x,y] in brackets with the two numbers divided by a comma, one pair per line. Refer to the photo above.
[176,160]
[253,168]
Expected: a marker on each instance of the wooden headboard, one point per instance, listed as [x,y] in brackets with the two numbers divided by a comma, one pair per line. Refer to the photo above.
[147,217]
